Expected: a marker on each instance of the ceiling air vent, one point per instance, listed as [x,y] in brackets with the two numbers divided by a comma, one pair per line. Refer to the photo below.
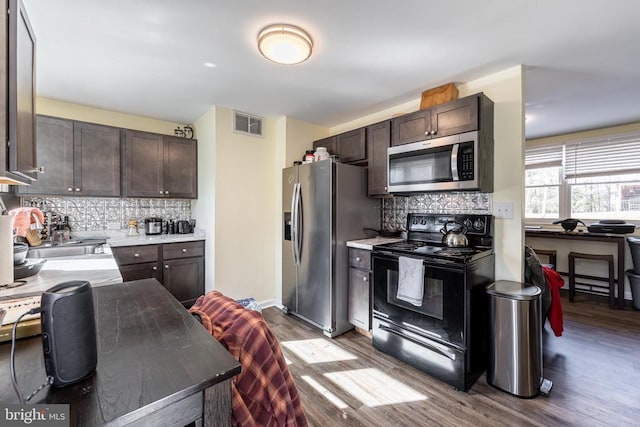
[246,123]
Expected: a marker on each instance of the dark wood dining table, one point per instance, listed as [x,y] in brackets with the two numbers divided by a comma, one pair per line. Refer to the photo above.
[617,239]
[156,365]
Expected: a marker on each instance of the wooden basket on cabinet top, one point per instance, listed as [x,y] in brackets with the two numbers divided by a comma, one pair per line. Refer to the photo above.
[438,95]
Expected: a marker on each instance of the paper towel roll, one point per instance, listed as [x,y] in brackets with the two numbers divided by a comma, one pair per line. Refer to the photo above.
[6,249]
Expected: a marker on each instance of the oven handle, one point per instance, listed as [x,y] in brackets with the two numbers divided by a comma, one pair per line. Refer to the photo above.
[443,265]
[432,347]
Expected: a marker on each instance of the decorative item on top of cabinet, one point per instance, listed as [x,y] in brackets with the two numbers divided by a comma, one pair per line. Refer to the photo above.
[80,159]
[438,95]
[17,89]
[378,140]
[178,266]
[159,166]
[474,112]
[359,305]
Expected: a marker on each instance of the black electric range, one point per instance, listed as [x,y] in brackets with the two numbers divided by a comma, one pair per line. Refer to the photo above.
[425,234]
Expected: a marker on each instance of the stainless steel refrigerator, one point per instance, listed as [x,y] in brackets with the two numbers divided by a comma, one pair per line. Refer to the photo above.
[325,204]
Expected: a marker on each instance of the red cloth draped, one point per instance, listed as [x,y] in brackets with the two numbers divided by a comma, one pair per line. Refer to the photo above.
[554,282]
[264,393]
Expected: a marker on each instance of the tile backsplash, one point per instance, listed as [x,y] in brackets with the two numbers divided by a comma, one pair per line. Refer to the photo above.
[395,210]
[95,214]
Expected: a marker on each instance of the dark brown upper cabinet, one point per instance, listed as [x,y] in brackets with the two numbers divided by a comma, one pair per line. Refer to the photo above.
[180,167]
[17,90]
[459,116]
[79,159]
[412,127]
[378,140]
[349,146]
[329,143]
[159,166]
[352,146]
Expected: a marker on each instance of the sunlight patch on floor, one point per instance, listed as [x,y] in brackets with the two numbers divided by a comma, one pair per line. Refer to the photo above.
[324,392]
[373,387]
[317,351]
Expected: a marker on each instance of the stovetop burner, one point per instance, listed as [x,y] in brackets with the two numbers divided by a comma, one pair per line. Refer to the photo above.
[457,251]
[406,245]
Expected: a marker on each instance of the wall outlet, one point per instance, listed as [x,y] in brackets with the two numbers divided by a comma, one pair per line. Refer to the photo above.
[503,210]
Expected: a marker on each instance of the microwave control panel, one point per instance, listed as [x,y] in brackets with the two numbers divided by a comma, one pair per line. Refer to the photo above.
[465,161]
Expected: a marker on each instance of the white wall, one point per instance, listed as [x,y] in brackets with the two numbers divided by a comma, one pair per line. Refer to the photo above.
[245,198]
[67,110]
[506,89]
[203,209]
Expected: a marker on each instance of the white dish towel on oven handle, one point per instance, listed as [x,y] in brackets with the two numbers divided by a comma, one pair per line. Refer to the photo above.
[410,280]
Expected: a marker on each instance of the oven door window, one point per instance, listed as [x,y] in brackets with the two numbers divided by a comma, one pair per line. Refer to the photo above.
[442,312]
[432,295]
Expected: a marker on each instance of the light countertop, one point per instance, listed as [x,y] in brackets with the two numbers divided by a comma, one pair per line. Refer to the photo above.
[97,269]
[368,244]
[142,239]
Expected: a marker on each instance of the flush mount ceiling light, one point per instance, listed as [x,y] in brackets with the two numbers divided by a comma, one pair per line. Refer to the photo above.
[285,44]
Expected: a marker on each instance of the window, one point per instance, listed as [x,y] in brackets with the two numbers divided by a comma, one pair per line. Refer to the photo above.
[591,179]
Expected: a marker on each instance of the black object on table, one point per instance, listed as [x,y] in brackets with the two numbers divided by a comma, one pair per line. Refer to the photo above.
[156,364]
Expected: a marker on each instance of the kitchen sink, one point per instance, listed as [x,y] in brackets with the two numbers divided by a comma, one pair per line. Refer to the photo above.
[70,248]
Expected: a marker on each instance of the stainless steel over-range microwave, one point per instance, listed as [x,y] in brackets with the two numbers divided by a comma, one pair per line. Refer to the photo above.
[457,162]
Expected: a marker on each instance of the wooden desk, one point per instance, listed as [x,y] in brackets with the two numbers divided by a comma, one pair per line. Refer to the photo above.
[618,239]
[156,365]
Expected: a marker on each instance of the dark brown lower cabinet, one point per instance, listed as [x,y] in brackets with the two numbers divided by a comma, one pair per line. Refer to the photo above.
[184,278]
[359,305]
[178,266]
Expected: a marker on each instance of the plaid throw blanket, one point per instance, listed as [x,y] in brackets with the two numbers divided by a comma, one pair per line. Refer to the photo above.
[264,393]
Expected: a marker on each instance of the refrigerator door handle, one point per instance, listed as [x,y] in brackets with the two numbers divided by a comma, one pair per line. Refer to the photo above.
[299,222]
[294,223]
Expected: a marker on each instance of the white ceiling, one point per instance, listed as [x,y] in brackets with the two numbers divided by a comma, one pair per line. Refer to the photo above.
[146,57]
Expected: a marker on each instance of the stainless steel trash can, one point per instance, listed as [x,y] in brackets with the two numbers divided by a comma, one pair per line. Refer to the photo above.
[515,345]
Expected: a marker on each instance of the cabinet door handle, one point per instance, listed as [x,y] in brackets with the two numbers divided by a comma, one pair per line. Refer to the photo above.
[364,279]
[428,132]
[154,268]
[357,259]
[69,189]
[166,192]
[184,251]
[166,266]
[38,169]
[433,132]
[136,255]
[161,192]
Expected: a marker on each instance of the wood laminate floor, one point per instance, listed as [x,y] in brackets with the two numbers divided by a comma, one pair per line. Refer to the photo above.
[594,366]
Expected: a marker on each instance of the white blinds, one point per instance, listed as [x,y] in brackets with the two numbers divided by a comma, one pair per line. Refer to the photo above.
[543,157]
[615,155]
[604,157]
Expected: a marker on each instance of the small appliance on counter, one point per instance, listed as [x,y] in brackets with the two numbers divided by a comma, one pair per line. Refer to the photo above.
[614,226]
[153,226]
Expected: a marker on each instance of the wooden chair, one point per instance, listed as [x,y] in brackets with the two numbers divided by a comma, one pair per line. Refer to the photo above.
[593,288]
[550,254]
